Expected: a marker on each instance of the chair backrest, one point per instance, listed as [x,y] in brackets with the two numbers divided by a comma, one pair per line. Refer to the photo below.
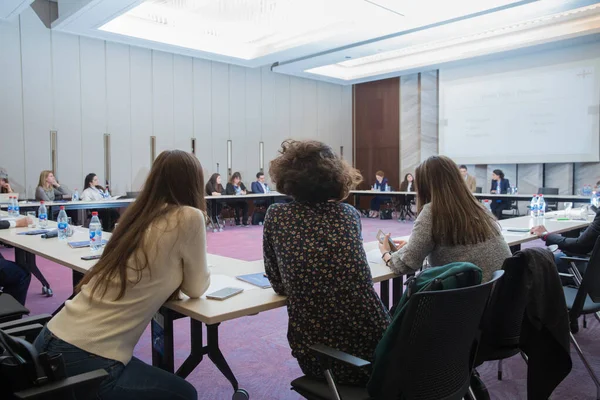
[501,327]
[434,353]
[590,284]
[547,190]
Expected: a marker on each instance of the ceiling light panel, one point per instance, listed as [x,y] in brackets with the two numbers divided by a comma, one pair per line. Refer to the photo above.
[472,42]
[249,29]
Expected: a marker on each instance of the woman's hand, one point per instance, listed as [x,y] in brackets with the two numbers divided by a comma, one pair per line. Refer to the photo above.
[243,192]
[216,193]
[7,187]
[492,191]
[55,183]
[23,222]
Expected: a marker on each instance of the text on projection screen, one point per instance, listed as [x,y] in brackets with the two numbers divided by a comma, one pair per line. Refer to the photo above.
[544,114]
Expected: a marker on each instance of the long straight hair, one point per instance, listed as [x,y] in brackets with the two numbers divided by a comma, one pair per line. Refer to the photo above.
[88,179]
[43,175]
[175,180]
[458,218]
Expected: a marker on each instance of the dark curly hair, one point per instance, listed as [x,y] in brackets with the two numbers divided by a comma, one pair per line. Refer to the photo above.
[310,172]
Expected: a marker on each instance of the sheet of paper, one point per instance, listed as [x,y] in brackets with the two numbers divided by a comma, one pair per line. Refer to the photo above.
[374,256]
[218,282]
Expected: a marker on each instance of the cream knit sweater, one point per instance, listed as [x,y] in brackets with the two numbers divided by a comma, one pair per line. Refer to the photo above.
[176,249]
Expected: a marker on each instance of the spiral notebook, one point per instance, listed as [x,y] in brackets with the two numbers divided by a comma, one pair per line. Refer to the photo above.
[259,279]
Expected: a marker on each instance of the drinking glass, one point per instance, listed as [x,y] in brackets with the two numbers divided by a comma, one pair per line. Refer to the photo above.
[568,207]
[32,219]
[70,228]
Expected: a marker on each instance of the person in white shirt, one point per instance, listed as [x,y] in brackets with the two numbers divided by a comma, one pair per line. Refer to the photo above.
[157,251]
[94,192]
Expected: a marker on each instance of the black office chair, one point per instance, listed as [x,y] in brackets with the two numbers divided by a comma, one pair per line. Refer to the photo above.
[478,189]
[10,308]
[550,205]
[434,352]
[584,300]
[25,374]
[503,318]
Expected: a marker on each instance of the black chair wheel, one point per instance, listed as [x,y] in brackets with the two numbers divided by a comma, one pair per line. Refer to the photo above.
[240,394]
[49,292]
[44,290]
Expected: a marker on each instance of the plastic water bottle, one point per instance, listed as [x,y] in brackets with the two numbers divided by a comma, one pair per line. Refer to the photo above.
[373,188]
[533,206]
[95,232]
[107,193]
[11,207]
[388,188]
[75,196]
[16,208]
[63,224]
[43,215]
[541,208]
[594,199]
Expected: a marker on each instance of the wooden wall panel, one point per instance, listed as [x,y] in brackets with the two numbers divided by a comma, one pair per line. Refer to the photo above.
[376,130]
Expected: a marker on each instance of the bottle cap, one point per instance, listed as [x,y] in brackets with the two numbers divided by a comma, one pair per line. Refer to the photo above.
[94,213]
[62,207]
[42,202]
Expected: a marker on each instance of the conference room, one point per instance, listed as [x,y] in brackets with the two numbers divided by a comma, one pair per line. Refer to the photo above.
[284,199]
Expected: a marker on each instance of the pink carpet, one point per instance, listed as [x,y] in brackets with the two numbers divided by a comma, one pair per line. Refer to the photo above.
[256,347]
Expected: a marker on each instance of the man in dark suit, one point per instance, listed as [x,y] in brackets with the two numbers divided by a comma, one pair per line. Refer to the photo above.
[259,186]
[14,280]
[500,185]
[583,244]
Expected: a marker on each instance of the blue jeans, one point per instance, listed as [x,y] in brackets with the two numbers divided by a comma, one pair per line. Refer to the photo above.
[14,280]
[136,380]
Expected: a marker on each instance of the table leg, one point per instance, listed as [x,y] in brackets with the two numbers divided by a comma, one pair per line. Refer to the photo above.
[215,355]
[161,328]
[27,260]
[384,293]
[198,351]
[397,284]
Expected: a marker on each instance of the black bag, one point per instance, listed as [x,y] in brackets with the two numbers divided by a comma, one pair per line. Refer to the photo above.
[258,217]
[386,214]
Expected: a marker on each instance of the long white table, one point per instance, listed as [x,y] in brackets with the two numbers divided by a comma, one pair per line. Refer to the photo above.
[492,196]
[223,271]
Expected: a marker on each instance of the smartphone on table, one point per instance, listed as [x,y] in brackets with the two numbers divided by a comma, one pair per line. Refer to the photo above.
[381,238]
[92,257]
[224,293]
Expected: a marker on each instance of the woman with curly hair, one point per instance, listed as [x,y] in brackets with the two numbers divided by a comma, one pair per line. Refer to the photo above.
[314,255]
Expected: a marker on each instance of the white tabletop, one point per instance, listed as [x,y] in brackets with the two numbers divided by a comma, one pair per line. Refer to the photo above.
[561,197]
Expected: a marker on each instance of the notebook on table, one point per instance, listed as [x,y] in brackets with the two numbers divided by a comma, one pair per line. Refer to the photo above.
[259,279]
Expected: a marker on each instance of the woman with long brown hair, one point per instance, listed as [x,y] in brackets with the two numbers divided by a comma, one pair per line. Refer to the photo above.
[49,189]
[451,225]
[157,250]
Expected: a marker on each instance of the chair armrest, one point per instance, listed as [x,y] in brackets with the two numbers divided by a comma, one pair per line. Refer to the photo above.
[54,388]
[333,354]
[569,258]
[565,275]
[36,319]
[29,332]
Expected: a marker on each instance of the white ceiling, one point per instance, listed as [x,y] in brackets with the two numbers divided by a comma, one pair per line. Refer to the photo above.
[341,41]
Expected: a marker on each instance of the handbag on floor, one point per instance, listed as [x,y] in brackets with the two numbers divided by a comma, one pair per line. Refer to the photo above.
[386,214]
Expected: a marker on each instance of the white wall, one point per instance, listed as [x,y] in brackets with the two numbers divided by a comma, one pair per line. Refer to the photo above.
[83,88]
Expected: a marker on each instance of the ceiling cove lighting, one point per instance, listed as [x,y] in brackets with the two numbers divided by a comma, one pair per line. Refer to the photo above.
[576,22]
[248,29]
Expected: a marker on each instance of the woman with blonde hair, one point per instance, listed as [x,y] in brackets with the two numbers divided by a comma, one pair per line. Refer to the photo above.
[158,250]
[49,189]
[451,225]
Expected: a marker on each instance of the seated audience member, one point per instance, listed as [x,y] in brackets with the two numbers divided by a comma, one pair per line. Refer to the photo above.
[259,186]
[448,228]
[581,245]
[214,188]
[469,180]
[314,255]
[408,184]
[4,185]
[380,184]
[14,280]
[49,189]
[157,250]
[94,192]
[235,186]
[500,185]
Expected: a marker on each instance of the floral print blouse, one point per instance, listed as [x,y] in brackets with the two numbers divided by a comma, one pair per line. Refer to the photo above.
[314,255]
